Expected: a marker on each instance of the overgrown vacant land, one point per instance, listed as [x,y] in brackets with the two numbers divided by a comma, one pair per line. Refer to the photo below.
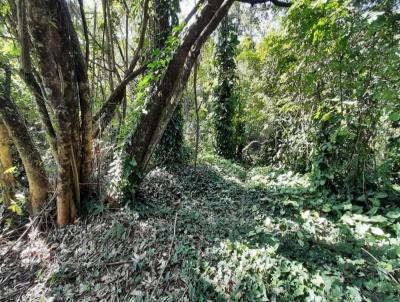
[216,232]
[200,150]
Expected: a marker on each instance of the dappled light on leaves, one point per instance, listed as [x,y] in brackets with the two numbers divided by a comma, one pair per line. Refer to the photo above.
[209,150]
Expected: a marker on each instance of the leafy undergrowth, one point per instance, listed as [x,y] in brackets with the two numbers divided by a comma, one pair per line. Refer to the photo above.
[216,232]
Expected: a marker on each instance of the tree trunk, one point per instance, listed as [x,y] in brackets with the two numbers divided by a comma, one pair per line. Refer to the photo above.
[31,159]
[162,103]
[7,179]
[225,96]
[169,150]
[196,108]
[27,75]
[64,74]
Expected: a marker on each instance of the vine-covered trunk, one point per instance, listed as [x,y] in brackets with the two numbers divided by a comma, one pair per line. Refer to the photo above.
[226,101]
[162,103]
[165,18]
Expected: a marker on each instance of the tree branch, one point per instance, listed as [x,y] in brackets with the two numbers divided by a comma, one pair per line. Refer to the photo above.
[29,78]
[136,56]
[193,11]
[275,2]
[106,113]
[85,31]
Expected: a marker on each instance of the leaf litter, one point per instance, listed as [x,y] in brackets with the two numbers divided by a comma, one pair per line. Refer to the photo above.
[216,232]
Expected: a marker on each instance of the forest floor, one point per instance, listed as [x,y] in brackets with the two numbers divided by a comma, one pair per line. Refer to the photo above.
[216,232]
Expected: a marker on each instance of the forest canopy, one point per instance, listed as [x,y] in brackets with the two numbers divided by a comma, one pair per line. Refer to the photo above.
[223,150]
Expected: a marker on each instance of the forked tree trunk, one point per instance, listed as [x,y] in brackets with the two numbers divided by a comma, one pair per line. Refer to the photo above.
[7,179]
[63,71]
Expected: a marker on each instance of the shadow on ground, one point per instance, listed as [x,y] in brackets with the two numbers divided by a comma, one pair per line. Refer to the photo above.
[226,223]
[210,233]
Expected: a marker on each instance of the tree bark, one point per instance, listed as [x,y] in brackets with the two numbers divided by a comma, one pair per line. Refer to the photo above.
[84,156]
[29,78]
[31,159]
[85,31]
[162,103]
[7,179]
[196,108]
[64,76]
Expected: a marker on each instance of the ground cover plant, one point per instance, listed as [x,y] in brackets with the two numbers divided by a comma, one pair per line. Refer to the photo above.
[210,150]
[216,232]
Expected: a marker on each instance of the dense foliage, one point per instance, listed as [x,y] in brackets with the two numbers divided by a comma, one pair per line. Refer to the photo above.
[329,94]
[233,152]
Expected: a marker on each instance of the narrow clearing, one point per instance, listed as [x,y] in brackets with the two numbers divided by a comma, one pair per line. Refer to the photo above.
[217,232]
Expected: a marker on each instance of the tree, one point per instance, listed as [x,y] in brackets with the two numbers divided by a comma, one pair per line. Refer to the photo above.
[64,76]
[165,18]
[58,78]
[7,180]
[163,101]
[30,156]
[226,97]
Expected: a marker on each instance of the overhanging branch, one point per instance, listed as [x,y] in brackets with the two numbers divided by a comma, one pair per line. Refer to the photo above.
[275,2]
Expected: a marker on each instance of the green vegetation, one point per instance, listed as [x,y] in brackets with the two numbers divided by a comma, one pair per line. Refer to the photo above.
[237,235]
[239,151]
[226,101]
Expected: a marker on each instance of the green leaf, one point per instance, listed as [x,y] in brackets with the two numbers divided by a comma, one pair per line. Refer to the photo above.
[393,214]
[394,116]
[326,117]
[378,219]
[354,294]
[10,170]
[133,163]
[377,231]
[15,208]
[380,195]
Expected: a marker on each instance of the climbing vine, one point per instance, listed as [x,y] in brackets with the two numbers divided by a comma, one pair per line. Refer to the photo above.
[225,94]
[156,68]
[169,149]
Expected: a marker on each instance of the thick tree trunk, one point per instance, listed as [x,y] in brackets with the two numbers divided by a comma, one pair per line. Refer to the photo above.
[163,101]
[7,179]
[31,159]
[64,76]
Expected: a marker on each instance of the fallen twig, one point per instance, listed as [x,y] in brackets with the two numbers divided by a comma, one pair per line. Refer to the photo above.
[31,224]
[384,270]
[119,262]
